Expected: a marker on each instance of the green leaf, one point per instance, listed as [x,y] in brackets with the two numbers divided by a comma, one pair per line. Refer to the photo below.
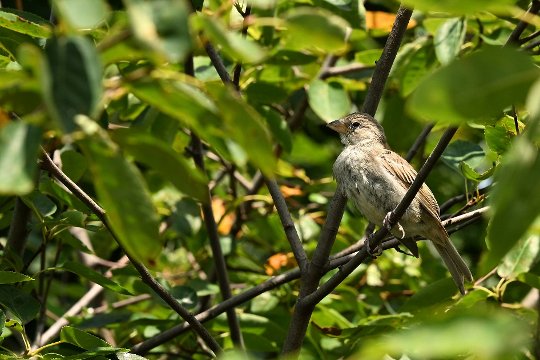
[521,258]
[169,164]
[328,100]
[72,79]
[233,44]
[246,127]
[129,356]
[123,194]
[419,63]
[461,151]
[478,86]
[460,7]
[186,296]
[82,339]
[82,14]
[530,279]
[22,23]
[471,174]
[315,29]
[74,164]
[10,277]
[19,145]
[448,39]
[20,304]
[95,277]
[514,199]
[161,25]
[499,136]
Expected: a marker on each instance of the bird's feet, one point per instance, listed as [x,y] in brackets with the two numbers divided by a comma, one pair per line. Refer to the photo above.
[398,227]
[373,251]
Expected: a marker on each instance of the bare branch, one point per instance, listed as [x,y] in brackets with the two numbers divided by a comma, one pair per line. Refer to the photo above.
[522,25]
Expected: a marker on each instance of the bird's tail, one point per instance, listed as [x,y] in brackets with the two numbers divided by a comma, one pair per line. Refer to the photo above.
[455,264]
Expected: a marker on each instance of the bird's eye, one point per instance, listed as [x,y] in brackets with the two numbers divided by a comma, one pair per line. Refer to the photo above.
[355,125]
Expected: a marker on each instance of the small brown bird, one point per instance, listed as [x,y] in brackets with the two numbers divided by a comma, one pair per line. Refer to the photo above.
[375,178]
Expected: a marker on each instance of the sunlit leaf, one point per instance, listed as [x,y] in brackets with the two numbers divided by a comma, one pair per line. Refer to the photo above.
[82,14]
[10,277]
[460,7]
[448,39]
[480,85]
[328,100]
[24,23]
[81,338]
[520,259]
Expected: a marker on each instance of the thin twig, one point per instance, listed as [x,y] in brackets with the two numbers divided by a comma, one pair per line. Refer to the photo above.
[217,252]
[420,140]
[346,69]
[526,39]
[288,225]
[522,25]
[18,230]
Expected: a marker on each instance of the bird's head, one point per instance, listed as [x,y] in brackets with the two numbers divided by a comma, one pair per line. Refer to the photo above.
[358,128]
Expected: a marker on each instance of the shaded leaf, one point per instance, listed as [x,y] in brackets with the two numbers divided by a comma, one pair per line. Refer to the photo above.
[19,145]
[169,164]
[478,86]
[460,7]
[82,339]
[499,136]
[461,151]
[72,79]
[124,196]
[20,304]
[93,276]
[515,197]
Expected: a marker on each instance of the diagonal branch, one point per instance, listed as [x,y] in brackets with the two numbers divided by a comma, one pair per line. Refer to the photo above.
[50,166]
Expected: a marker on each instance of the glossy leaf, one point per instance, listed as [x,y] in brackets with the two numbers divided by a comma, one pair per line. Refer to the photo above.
[169,164]
[161,25]
[328,100]
[19,303]
[480,85]
[520,259]
[20,22]
[315,29]
[448,39]
[124,196]
[19,145]
[499,135]
[72,79]
[81,338]
[82,14]
[10,277]
[461,151]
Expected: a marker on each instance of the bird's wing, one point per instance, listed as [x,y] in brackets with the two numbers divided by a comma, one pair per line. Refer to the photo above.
[404,172]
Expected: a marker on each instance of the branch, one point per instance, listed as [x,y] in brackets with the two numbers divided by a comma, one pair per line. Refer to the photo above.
[288,225]
[303,310]
[272,283]
[217,253]
[48,165]
[522,25]
[18,231]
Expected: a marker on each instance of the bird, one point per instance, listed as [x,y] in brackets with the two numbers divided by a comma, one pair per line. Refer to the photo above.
[375,179]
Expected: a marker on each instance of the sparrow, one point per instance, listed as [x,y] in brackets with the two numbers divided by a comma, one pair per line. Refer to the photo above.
[375,179]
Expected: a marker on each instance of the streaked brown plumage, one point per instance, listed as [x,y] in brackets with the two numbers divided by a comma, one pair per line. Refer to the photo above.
[375,179]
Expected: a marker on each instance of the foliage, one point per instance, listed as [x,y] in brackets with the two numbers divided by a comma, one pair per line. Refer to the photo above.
[119,95]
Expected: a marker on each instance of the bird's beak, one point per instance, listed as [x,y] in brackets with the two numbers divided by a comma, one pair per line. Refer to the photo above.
[338,126]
